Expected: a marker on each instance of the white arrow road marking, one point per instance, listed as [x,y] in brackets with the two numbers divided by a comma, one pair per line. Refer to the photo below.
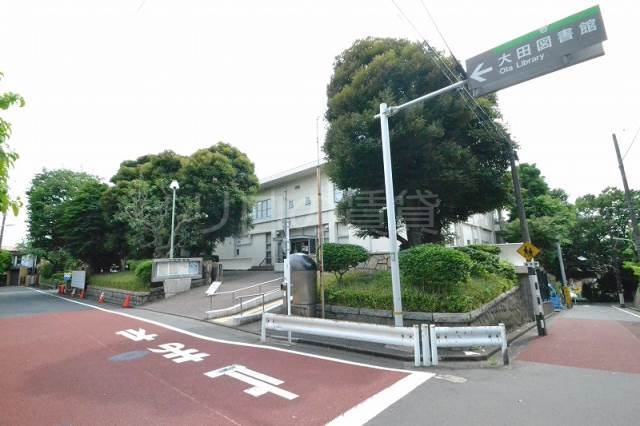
[478,73]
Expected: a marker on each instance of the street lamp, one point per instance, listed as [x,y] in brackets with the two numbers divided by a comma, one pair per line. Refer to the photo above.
[174,186]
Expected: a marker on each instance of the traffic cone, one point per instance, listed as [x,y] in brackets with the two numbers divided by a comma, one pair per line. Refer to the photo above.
[101,298]
[82,296]
[127,301]
[61,288]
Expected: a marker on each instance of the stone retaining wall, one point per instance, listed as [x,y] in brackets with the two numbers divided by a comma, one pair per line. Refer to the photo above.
[116,296]
[508,308]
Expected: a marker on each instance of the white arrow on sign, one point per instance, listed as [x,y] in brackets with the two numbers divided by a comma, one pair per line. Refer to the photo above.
[478,73]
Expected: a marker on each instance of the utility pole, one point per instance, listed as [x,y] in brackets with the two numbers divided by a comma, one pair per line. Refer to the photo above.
[536,297]
[628,198]
[632,215]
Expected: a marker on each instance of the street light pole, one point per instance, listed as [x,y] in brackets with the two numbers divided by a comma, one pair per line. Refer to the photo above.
[385,113]
[174,186]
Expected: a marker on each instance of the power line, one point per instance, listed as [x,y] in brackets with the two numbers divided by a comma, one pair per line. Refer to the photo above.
[632,141]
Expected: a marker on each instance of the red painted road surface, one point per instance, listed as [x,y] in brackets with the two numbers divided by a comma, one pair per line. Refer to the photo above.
[72,368]
[586,343]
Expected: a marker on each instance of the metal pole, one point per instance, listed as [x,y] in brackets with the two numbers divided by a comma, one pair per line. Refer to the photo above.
[562,273]
[628,198]
[320,242]
[173,219]
[391,216]
[287,271]
[536,298]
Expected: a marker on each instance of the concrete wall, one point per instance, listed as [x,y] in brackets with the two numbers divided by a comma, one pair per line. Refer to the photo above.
[509,308]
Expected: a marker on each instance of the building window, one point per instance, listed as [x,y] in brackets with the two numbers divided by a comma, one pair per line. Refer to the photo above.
[307,201]
[262,210]
[290,204]
[338,195]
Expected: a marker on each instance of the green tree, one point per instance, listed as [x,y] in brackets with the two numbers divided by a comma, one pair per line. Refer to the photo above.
[601,238]
[7,156]
[84,227]
[5,261]
[213,202]
[46,197]
[439,147]
[339,258]
[550,216]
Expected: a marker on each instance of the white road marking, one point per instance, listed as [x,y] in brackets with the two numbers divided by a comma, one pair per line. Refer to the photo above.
[229,342]
[371,407]
[626,312]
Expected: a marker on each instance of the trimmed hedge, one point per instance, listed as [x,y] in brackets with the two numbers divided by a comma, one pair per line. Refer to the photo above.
[143,271]
[373,290]
[434,268]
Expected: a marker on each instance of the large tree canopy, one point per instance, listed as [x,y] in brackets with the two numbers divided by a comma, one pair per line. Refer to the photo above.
[49,192]
[445,161]
[213,201]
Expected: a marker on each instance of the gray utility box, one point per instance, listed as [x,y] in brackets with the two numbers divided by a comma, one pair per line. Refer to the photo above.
[304,278]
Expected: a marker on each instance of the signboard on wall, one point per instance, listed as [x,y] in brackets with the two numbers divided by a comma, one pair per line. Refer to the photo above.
[78,279]
[164,269]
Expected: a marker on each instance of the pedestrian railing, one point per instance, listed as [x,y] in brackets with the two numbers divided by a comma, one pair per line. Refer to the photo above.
[234,295]
[425,339]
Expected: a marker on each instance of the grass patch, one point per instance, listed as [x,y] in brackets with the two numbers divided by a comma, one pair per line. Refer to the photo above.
[373,290]
[126,280]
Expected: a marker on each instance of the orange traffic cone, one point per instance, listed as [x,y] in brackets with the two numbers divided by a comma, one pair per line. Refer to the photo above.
[82,296]
[101,298]
[61,288]
[127,301]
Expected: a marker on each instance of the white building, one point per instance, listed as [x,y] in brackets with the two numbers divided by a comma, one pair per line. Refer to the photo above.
[293,195]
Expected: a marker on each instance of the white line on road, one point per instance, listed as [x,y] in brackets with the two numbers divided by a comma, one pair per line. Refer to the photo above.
[626,312]
[371,407]
[229,342]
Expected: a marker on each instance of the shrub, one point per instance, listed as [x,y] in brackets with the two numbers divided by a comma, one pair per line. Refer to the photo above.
[486,248]
[485,261]
[434,268]
[5,261]
[339,258]
[45,268]
[143,271]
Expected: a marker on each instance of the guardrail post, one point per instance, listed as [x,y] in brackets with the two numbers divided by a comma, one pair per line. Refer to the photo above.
[433,344]
[416,345]
[263,328]
[505,349]
[426,346]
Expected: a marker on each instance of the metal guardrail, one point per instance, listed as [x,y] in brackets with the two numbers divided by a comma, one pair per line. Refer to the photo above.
[254,301]
[424,339]
[461,337]
[399,336]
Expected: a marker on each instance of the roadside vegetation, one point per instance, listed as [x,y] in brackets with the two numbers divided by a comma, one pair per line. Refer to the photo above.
[435,279]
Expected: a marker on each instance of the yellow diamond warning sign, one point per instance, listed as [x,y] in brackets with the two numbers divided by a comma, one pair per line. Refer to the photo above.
[528,251]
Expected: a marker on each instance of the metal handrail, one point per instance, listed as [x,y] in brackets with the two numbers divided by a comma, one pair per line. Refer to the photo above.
[263,294]
[234,292]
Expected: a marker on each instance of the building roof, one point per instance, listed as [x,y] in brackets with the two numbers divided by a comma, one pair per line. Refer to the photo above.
[306,169]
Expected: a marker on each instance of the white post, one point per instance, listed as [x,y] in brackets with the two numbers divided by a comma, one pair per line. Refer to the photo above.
[287,271]
[174,186]
[391,216]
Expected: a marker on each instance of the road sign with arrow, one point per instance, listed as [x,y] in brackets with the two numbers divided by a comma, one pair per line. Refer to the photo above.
[566,42]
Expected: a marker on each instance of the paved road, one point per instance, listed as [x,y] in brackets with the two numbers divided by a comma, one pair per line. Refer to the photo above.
[70,363]
[586,371]
[67,363]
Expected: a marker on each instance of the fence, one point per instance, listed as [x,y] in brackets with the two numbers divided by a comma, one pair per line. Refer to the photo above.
[425,339]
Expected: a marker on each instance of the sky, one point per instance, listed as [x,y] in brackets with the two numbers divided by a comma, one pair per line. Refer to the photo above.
[111,80]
